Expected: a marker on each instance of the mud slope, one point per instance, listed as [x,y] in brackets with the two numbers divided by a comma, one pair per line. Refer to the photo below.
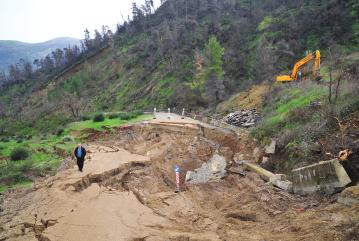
[126,192]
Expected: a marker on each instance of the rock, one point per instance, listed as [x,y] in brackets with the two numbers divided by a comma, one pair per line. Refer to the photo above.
[243,118]
[238,157]
[350,196]
[226,152]
[270,149]
[214,169]
[264,160]
[281,181]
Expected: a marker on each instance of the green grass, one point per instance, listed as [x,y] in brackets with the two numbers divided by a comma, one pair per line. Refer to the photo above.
[42,158]
[23,184]
[89,124]
[279,115]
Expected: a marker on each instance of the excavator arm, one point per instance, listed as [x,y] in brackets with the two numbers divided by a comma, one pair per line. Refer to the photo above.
[293,76]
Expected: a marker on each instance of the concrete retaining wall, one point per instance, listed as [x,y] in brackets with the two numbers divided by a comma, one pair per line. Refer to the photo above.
[326,177]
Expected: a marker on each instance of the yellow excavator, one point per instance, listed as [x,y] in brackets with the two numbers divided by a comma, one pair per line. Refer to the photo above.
[294,75]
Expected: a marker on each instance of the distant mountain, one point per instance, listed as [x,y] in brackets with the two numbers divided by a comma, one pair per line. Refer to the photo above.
[11,51]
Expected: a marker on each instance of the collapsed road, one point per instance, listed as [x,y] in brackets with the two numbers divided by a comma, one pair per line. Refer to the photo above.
[126,192]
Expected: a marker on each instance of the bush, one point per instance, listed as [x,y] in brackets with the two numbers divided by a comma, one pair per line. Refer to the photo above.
[11,175]
[85,118]
[19,154]
[4,139]
[59,132]
[113,116]
[138,112]
[99,118]
[68,139]
[125,116]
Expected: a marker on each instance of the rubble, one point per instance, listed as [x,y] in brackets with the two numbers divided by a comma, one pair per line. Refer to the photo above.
[270,148]
[279,180]
[350,196]
[243,118]
[214,169]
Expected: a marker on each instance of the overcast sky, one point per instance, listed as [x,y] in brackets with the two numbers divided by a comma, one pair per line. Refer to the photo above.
[40,20]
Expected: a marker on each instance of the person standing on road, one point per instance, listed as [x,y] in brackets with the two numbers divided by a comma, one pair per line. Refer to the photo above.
[80,154]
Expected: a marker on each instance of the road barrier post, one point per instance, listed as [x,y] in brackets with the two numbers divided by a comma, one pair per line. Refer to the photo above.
[177,171]
[154,113]
[183,113]
[169,113]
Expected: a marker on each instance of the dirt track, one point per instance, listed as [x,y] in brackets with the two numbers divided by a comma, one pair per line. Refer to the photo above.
[126,192]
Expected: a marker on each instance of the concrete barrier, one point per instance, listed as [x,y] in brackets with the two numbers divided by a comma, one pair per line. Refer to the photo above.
[326,177]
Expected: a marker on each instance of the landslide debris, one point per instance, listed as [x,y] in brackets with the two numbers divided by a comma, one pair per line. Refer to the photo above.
[127,193]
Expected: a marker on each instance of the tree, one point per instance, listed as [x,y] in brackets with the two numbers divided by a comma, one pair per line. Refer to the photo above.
[48,64]
[2,79]
[87,41]
[37,63]
[97,42]
[58,57]
[210,75]
[336,62]
[106,34]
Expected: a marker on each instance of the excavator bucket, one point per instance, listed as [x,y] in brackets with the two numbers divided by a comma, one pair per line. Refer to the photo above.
[284,78]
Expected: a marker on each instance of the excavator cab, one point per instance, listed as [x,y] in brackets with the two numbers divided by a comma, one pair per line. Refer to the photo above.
[294,75]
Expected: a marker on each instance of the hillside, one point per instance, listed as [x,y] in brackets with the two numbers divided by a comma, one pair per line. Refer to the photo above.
[249,159]
[11,51]
[190,54]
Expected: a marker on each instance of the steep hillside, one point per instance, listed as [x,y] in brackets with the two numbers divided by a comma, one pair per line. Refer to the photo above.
[187,54]
[11,51]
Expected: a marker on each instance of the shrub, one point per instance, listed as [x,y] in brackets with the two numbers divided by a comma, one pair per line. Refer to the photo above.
[85,118]
[68,139]
[99,118]
[19,154]
[138,112]
[4,139]
[127,116]
[113,116]
[10,174]
[59,132]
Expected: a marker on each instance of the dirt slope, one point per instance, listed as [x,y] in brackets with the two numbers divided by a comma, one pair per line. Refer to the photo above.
[127,193]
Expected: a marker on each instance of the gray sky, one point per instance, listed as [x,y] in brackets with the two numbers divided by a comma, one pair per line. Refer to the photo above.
[40,20]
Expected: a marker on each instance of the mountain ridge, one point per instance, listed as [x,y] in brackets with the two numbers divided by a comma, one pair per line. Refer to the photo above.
[13,50]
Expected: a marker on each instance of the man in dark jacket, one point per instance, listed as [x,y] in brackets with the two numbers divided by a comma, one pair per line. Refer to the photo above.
[80,154]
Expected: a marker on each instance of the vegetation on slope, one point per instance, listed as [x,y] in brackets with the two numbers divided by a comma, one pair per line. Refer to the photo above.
[299,115]
[155,58]
[41,155]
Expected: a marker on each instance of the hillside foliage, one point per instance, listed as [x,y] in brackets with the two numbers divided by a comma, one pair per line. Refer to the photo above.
[186,53]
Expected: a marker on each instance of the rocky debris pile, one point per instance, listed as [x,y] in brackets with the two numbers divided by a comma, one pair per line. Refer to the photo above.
[243,118]
[212,170]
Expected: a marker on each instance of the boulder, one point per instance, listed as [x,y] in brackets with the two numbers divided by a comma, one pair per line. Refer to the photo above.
[270,149]
[350,196]
[212,170]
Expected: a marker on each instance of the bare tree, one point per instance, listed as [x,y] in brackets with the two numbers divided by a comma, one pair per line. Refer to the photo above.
[336,72]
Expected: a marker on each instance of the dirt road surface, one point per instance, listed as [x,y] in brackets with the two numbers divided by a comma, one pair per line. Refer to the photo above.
[126,192]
